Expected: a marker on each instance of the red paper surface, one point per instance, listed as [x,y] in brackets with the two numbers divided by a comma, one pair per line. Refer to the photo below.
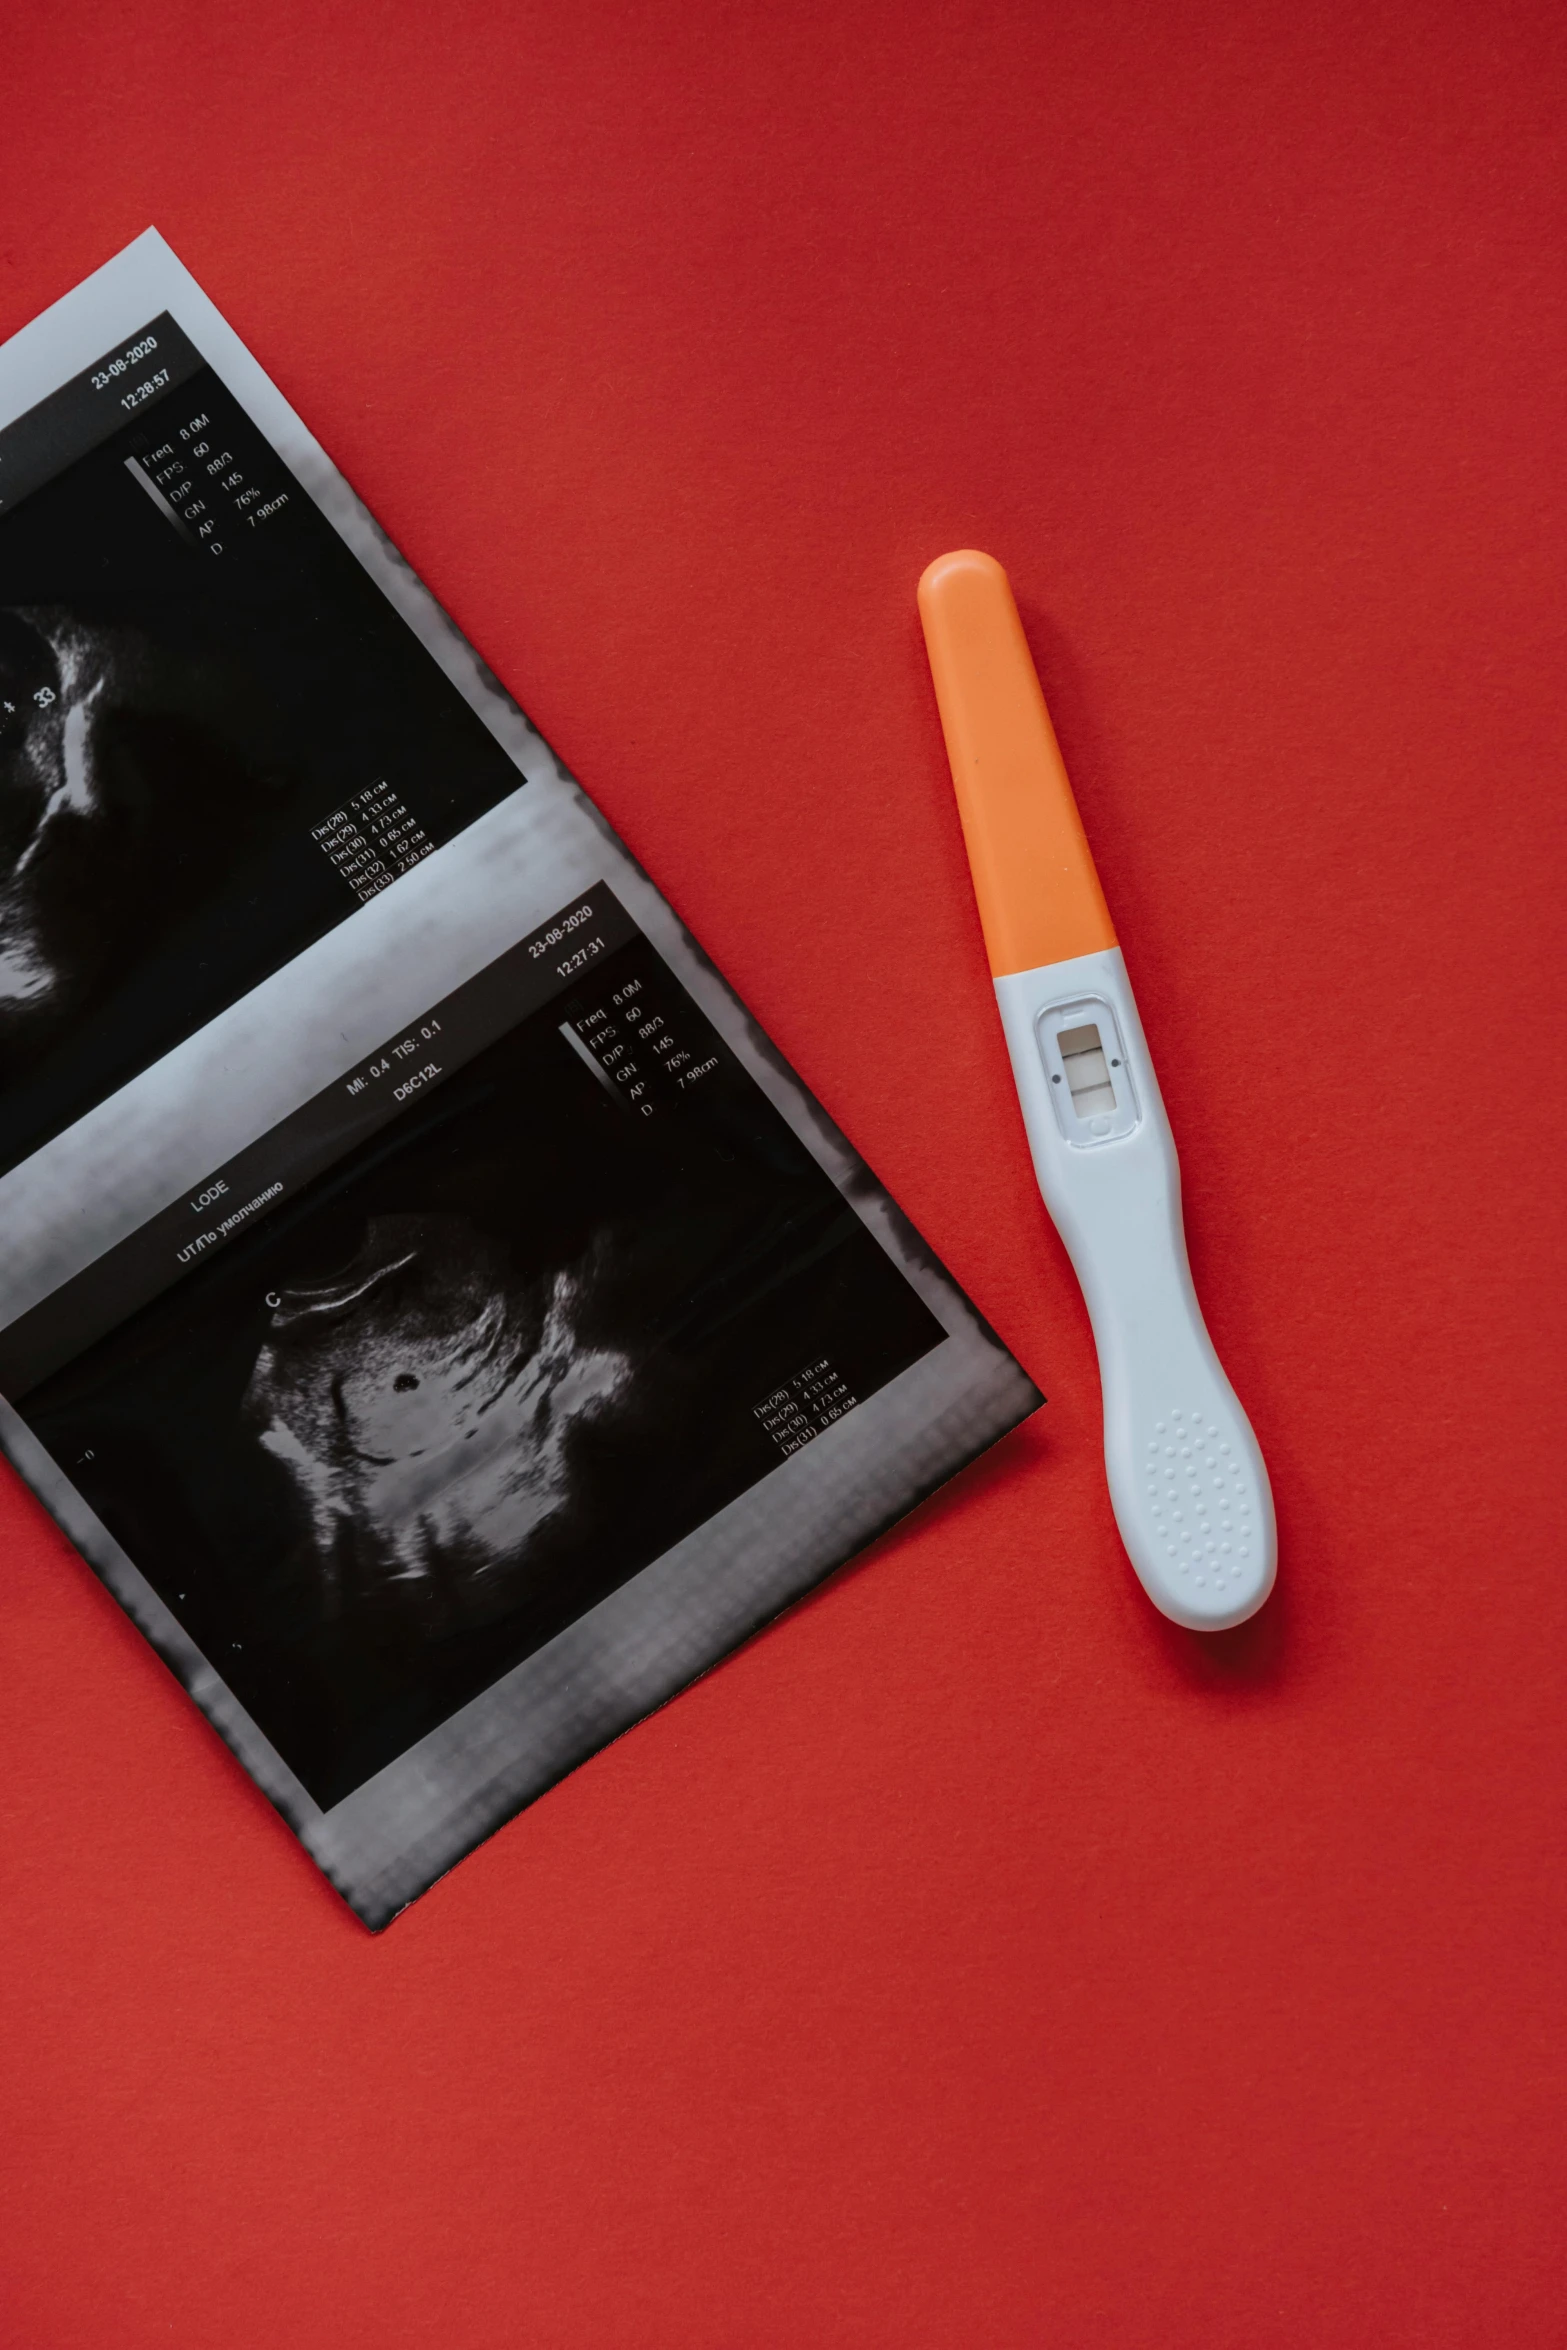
[977,1959]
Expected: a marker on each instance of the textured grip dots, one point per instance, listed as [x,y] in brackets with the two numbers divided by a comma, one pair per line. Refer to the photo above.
[1201,1507]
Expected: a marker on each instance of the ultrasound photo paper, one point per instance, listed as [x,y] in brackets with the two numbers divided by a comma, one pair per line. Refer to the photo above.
[427,1299]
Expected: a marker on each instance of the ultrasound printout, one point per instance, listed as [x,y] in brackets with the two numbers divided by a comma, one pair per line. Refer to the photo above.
[427,1300]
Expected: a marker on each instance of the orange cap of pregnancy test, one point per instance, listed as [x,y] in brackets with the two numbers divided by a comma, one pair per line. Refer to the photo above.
[1039,896]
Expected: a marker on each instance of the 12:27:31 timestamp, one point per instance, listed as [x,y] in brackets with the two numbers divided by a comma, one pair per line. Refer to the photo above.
[584,954]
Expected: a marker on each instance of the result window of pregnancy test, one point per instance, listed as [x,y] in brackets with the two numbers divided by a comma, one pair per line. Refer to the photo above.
[1091,1089]
[1087,1071]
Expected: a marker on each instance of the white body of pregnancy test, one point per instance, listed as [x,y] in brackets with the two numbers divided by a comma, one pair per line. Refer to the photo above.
[1186,1476]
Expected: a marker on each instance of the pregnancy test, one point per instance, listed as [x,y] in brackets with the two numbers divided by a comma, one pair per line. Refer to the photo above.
[1186,1474]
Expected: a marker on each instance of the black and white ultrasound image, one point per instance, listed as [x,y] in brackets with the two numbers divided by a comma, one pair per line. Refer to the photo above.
[472,1379]
[176,724]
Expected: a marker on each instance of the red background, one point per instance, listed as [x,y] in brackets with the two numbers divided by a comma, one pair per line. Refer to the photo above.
[976,1959]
